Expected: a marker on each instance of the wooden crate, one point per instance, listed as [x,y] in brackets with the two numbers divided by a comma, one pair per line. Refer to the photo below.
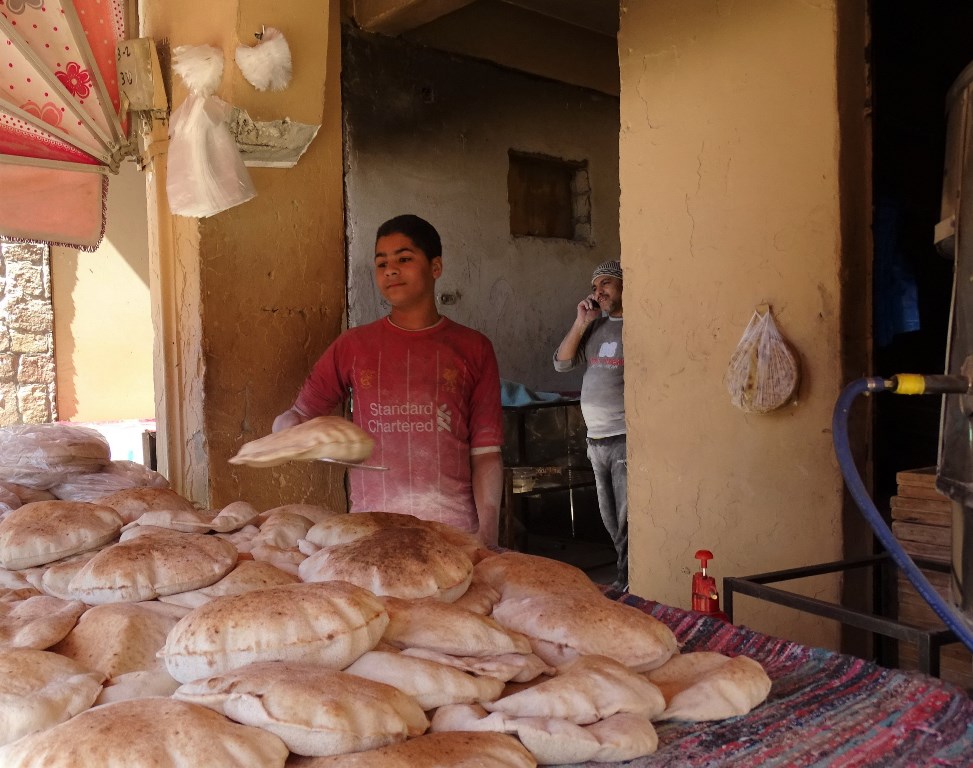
[922,523]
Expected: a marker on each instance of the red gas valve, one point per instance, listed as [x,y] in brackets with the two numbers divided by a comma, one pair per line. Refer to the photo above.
[705,597]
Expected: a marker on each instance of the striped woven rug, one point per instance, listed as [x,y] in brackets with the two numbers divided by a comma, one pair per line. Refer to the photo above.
[824,709]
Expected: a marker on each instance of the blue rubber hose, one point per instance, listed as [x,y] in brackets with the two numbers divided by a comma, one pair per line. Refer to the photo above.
[951,617]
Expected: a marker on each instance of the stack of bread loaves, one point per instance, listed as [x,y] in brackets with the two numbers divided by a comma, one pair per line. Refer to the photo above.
[138,630]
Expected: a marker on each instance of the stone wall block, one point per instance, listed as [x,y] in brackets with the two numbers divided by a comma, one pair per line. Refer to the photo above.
[30,343]
[34,369]
[27,278]
[35,315]
[29,253]
[8,405]
[8,367]
[34,404]
[4,336]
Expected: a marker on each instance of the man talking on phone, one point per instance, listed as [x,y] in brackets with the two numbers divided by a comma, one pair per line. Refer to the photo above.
[595,340]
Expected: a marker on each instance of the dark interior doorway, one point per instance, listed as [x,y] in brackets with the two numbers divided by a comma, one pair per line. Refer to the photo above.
[918,50]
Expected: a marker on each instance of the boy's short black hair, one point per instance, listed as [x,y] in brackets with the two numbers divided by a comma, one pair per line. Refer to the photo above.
[417,229]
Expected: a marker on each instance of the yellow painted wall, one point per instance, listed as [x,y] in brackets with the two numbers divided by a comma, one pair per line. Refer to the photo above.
[102,319]
[729,157]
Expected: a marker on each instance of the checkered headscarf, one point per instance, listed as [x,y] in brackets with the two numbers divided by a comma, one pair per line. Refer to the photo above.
[610,268]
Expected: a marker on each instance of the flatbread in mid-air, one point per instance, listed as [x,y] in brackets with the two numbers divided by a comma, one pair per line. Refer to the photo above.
[324,437]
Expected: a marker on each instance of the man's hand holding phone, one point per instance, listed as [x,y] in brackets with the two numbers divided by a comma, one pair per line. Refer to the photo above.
[588,310]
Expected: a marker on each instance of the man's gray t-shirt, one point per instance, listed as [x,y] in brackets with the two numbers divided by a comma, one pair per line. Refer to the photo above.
[603,385]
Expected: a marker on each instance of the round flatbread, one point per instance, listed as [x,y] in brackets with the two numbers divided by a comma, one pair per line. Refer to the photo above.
[444,628]
[589,689]
[315,711]
[517,574]
[479,597]
[704,686]
[142,684]
[39,689]
[121,637]
[430,683]
[328,624]
[562,627]
[131,503]
[44,531]
[313,512]
[324,437]
[146,733]
[433,750]
[283,530]
[343,528]
[408,563]
[37,621]
[245,577]
[157,562]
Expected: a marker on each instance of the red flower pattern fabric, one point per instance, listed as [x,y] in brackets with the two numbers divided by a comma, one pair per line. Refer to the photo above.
[76,79]
[17,6]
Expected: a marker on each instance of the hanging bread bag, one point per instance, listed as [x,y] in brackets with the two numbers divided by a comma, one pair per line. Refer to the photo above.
[763,374]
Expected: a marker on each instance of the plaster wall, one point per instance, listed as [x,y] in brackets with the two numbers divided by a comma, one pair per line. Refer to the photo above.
[421,138]
[729,157]
[102,318]
[247,299]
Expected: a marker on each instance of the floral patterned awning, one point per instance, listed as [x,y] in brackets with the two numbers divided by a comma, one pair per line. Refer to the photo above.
[59,113]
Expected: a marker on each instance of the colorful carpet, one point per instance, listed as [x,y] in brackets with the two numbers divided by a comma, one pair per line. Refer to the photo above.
[824,709]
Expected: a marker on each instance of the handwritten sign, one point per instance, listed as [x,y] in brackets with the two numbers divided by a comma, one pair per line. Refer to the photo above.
[139,75]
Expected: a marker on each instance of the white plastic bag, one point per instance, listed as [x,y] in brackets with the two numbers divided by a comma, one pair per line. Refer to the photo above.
[116,476]
[763,373]
[205,173]
[8,499]
[41,455]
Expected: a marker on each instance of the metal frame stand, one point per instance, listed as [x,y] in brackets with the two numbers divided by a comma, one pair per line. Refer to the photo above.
[929,641]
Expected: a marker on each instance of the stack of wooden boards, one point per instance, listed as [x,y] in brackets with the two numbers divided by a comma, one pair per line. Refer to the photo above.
[922,523]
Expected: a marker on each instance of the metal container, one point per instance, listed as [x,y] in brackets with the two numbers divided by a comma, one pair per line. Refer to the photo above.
[954,238]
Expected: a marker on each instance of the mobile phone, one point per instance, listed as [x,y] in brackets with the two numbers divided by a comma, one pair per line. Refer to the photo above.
[589,303]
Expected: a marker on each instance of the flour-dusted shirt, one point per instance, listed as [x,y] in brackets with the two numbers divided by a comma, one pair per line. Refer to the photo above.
[603,385]
[428,398]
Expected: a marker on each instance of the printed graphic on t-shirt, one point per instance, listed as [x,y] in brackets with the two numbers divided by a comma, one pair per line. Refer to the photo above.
[401,417]
[444,418]
[450,379]
[366,378]
[607,356]
[408,417]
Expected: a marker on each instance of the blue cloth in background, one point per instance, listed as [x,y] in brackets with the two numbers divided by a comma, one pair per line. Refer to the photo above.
[895,292]
[513,394]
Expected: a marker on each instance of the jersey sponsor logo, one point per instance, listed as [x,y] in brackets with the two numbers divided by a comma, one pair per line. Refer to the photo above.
[444,419]
[607,349]
[386,418]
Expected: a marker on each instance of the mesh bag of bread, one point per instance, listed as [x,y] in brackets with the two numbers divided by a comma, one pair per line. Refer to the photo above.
[8,499]
[42,455]
[114,476]
[763,373]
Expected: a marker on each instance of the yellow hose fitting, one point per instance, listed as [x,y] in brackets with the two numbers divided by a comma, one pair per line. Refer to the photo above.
[909,384]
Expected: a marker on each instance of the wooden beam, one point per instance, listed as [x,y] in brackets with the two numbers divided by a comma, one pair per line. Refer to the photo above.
[393,17]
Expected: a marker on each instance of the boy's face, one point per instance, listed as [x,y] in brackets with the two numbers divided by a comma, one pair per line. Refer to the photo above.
[403,273]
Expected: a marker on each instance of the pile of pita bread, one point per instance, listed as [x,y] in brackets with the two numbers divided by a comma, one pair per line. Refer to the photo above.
[139,630]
